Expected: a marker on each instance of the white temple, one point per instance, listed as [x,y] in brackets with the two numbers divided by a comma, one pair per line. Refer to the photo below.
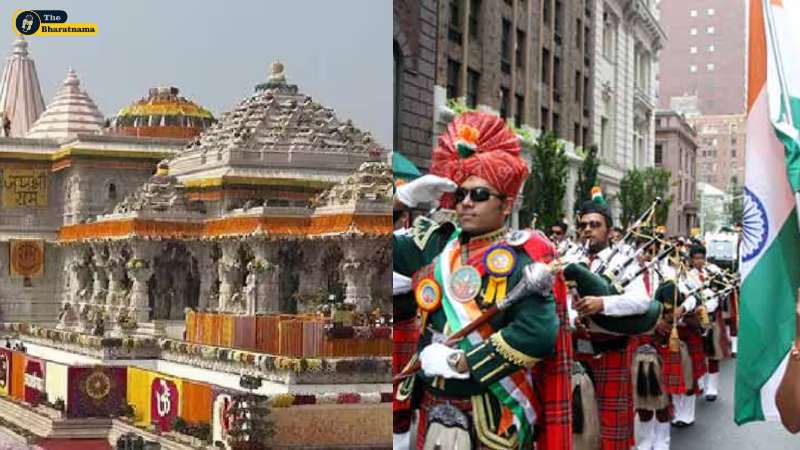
[72,111]
[21,98]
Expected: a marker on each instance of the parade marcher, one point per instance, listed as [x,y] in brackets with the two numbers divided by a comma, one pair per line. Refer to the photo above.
[716,342]
[558,234]
[690,329]
[405,333]
[651,399]
[478,394]
[608,356]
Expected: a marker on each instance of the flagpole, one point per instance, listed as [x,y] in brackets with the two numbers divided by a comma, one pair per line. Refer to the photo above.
[787,113]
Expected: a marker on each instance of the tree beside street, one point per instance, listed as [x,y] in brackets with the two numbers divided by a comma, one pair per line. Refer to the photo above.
[587,177]
[639,188]
[547,184]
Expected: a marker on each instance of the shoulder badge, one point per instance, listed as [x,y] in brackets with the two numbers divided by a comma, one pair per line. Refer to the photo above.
[516,238]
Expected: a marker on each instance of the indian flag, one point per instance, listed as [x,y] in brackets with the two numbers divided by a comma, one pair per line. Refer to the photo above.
[770,254]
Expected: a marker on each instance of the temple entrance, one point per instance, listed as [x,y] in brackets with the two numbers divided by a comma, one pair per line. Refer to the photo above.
[175,284]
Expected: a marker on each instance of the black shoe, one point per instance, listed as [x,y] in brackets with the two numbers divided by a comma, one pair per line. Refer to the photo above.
[711,398]
[680,424]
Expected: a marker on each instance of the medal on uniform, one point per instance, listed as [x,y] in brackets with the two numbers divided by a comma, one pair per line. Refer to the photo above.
[499,261]
[429,297]
[465,284]
[518,237]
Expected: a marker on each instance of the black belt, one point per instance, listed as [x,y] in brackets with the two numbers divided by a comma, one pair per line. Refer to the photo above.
[607,345]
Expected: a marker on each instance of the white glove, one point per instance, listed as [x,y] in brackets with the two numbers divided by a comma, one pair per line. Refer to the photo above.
[434,360]
[400,284]
[689,304]
[426,189]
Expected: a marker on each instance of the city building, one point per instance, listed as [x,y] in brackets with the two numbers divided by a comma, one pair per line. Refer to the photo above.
[676,151]
[720,150]
[627,39]
[704,56]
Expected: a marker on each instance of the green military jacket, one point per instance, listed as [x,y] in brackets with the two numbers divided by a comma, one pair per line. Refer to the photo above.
[524,333]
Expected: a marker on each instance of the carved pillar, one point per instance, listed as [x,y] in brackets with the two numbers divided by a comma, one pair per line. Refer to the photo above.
[67,318]
[310,276]
[230,276]
[267,274]
[100,287]
[117,291]
[357,272]
[208,299]
[82,291]
[140,269]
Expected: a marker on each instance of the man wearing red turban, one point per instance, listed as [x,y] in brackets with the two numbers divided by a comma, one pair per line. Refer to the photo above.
[482,385]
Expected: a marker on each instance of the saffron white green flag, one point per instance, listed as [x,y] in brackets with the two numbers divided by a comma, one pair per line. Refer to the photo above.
[770,254]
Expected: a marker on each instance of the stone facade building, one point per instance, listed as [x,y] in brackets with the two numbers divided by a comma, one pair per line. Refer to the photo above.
[414,50]
[676,151]
[627,38]
[721,149]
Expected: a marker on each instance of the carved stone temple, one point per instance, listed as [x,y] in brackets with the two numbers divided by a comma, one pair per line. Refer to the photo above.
[274,207]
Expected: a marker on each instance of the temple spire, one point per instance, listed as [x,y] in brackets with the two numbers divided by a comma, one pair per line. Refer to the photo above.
[72,111]
[21,98]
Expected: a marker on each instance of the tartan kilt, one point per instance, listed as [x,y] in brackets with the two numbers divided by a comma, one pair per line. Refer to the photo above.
[405,335]
[552,381]
[694,342]
[613,387]
[673,371]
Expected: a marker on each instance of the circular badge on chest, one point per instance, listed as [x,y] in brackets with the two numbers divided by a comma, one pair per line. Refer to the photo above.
[428,295]
[500,260]
[465,284]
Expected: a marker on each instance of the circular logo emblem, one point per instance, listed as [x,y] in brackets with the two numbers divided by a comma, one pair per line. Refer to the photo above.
[28,256]
[755,226]
[518,237]
[428,295]
[98,385]
[500,261]
[465,283]
[27,22]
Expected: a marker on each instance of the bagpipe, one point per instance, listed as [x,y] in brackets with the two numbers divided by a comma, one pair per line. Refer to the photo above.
[608,279]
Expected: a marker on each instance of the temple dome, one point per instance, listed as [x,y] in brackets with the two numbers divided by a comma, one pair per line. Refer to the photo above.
[162,114]
[72,111]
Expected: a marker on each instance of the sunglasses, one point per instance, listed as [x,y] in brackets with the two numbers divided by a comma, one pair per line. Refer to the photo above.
[556,232]
[478,194]
[594,224]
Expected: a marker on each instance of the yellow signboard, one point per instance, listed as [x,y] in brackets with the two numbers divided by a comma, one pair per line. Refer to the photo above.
[24,188]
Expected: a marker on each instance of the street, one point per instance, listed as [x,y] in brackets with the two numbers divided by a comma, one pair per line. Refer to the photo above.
[714,427]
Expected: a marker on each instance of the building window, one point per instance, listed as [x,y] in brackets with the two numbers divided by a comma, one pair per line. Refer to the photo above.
[519,110]
[112,191]
[545,67]
[609,36]
[693,13]
[693,31]
[556,125]
[586,94]
[546,12]
[576,134]
[557,79]
[692,68]
[453,76]
[558,20]
[585,137]
[658,155]
[545,119]
[710,11]
[578,82]
[505,47]
[578,33]
[454,31]
[711,48]
[474,13]
[692,50]
[473,80]
[710,30]
[504,102]
[710,67]
[733,153]
[520,48]
[605,137]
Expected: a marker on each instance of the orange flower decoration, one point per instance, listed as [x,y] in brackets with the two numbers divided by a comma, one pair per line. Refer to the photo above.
[468,134]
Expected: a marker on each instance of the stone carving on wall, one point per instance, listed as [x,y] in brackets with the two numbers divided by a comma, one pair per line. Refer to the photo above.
[372,181]
[161,193]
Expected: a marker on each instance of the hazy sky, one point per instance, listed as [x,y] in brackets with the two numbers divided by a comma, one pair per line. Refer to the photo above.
[217,51]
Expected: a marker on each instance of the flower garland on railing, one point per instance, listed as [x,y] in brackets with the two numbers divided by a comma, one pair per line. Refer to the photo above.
[286,400]
[268,363]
